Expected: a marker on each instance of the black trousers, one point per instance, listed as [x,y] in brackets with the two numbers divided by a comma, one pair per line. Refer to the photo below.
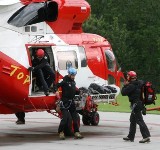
[70,108]
[137,118]
[20,116]
[45,77]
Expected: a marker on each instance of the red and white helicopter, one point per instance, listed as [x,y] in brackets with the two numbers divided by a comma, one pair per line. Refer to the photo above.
[55,26]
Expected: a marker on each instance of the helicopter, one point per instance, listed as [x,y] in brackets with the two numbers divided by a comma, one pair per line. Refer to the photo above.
[56,27]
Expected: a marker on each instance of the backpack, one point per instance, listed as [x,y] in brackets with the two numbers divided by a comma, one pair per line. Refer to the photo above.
[148,95]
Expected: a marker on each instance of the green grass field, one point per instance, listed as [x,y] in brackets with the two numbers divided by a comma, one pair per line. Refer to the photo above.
[124,105]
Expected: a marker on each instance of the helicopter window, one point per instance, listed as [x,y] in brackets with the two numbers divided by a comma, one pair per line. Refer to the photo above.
[34,13]
[111,61]
[82,57]
[67,59]
[33,28]
[27,29]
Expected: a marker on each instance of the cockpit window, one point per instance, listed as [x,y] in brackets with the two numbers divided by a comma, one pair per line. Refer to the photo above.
[82,56]
[111,61]
[67,59]
[34,13]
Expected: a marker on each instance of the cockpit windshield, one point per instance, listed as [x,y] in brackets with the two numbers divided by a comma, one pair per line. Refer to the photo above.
[34,13]
[111,60]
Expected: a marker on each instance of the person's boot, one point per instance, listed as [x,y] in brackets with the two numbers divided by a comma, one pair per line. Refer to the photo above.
[20,122]
[46,93]
[61,136]
[77,135]
[128,139]
[145,140]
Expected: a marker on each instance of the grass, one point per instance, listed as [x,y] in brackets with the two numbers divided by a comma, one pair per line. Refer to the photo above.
[124,105]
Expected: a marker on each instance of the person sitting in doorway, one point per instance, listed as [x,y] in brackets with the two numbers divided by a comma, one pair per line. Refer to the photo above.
[42,70]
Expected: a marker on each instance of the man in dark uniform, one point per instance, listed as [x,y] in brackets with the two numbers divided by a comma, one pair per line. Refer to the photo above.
[42,70]
[132,89]
[67,104]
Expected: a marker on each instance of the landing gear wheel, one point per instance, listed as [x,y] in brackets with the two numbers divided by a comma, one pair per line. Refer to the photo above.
[95,119]
[86,120]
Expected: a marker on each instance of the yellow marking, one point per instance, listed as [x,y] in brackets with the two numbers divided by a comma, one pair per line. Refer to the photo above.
[14,70]
[20,75]
[98,39]
[27,80]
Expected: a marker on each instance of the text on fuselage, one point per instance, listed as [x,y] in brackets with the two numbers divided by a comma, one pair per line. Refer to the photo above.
[20,75]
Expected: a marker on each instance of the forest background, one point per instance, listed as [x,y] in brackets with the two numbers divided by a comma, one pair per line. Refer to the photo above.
[133,29]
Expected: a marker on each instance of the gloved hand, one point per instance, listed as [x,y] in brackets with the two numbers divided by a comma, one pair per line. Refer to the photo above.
[31,68]
[144,111]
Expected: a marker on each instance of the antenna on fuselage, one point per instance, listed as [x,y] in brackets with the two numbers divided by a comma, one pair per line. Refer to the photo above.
[37,38]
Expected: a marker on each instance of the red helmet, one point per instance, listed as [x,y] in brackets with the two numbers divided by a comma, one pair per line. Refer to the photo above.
[40,53]
[132,74]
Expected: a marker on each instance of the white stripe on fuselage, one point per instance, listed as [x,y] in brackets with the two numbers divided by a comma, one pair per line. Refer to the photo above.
[8,2]
[13,44]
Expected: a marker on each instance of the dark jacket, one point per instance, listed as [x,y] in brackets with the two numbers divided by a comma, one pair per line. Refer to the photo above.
[133,91]
[69,89]
[40,63]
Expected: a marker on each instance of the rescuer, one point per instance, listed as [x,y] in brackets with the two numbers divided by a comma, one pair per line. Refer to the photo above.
[132,89]
[42,70]
[67,104]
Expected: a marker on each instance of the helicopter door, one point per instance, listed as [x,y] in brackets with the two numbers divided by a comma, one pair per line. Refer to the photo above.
[34,88]
[65,57]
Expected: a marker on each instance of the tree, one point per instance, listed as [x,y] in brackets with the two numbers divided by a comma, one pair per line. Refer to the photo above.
[132,28]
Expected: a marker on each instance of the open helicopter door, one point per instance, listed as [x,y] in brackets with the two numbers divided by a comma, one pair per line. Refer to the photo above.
[34,88]
[65,56]
[72,55]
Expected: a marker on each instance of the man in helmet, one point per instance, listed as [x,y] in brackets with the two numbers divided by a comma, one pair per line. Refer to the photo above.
[42,70]
[67,104]
[132,89]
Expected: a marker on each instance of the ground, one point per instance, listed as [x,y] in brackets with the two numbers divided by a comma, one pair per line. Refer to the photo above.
[40,133]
